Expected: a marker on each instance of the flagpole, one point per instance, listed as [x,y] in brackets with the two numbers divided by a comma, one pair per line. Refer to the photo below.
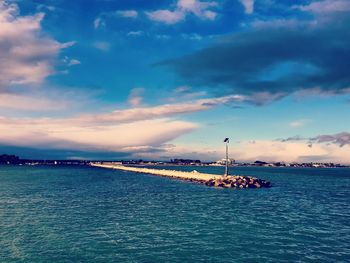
[226,166]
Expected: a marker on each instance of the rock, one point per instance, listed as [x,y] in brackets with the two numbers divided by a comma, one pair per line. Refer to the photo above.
[226,181]
[209,183]
[242,182]
[267,184]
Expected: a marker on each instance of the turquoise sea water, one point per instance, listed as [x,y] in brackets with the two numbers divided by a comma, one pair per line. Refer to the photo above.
[85,214]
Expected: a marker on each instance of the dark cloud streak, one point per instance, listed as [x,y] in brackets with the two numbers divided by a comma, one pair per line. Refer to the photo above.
[341,139]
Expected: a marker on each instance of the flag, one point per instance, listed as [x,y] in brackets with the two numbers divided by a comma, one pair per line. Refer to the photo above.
[227,140]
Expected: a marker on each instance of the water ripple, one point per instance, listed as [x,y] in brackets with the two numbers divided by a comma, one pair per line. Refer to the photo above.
[80,214]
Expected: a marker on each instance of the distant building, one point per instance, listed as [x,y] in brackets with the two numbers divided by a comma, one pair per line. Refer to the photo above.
[223,162]
[260,163]
[9,159]
[185,162]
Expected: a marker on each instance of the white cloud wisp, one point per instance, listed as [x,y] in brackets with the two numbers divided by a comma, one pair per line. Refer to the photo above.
[183,8]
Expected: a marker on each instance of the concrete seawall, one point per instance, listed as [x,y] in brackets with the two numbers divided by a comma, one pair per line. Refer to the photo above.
[208,179]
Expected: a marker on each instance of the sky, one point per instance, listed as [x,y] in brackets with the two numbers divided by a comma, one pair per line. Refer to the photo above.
[157,80]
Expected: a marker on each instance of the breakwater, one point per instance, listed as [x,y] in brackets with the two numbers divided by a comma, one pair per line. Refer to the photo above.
[214,180]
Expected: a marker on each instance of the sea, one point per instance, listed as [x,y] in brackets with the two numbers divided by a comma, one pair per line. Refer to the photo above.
[89,214]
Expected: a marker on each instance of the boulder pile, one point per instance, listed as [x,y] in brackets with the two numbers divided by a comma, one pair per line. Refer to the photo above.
[240,182]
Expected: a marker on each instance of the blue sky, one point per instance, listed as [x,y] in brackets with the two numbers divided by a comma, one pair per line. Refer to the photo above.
[169,79]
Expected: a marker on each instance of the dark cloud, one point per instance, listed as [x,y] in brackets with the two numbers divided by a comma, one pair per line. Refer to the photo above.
[340,139]
[69,154]
[292,139]
[271,61]
[62,154]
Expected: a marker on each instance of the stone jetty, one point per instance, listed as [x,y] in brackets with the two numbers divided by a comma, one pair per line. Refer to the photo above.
[214,180]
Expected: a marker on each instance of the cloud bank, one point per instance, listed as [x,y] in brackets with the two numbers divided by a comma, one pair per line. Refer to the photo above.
[291,151]
[120,130]
[263,150]
[146,132]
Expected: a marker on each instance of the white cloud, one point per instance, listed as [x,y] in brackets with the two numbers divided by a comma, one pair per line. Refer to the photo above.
[99,22]
[102,45]
[73,62]
[326,6]
[135,33]
[248,6]
[298,123]
[193,36]
[30,103]
[70,62]
[27,53]
[166,16]
[127,13]
[198,8]
[182,89]
[154,112]
[50,134]
[210,15]
[183,8]
[45,7]
[135,127]
[74,134]
[281,23]
[135,97]
[42,101]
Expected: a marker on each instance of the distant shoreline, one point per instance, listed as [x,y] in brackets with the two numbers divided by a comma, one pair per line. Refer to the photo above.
[13,159]
[87,163]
